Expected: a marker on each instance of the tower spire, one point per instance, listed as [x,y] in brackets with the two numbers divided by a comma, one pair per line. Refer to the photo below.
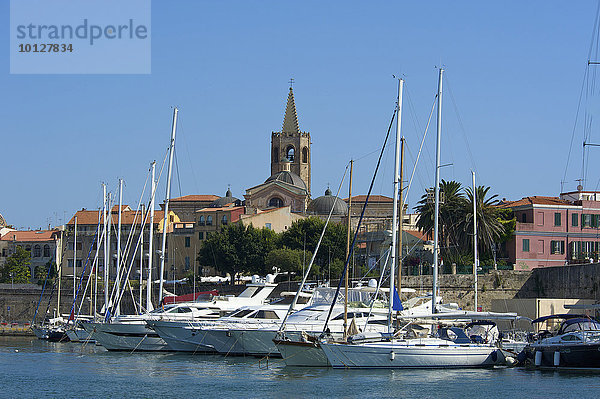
[290,120]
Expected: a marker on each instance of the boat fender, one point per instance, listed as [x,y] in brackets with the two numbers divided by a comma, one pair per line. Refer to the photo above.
[556,358]
[510,361]
[538,358]
[392,355]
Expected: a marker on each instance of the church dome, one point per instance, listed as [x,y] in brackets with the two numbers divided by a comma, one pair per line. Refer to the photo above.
[2,221]
[224,201]
[287,177]
[323,204]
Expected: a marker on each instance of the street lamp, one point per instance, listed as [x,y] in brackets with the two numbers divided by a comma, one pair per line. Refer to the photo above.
[11,281]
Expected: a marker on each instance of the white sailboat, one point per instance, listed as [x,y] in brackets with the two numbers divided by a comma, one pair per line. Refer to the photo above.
[443,347]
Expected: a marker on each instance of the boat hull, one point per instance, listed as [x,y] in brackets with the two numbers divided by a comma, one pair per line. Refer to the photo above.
[181,338]
[302,354]
[387,356]
[126,337]
[568,356]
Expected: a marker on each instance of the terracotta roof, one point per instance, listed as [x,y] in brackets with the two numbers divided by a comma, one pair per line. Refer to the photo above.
[85,217]
[227,208]
[535,200]
[33,235]
[193,198]
[372,198]
[417,234]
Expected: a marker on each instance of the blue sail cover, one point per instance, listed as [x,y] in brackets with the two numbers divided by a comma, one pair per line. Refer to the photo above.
[397,303]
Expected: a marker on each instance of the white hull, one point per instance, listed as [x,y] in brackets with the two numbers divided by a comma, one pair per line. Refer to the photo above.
[302,354]
[181,339]
[258,342]
[79,335]
[126,336]
[426,353]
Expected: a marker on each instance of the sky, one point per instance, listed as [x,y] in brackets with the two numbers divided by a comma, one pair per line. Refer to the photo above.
[513,76]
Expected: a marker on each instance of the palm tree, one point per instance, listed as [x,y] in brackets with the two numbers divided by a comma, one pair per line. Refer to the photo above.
[489,226]
[452,211]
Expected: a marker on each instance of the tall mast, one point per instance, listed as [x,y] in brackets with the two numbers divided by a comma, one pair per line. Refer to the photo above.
[395,211]
[149,306]
[106,250]
[142,227]
[475,257]
[436,246]
[167,198]
[348,251]
[95,300]
[75,262]
[400,219]
[118,279]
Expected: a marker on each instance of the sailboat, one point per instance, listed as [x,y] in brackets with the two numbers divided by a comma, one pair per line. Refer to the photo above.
[443,346]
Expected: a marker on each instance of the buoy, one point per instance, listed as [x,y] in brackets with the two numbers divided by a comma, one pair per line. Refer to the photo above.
[510,361]
[538,358]
[556,359]
[16,350]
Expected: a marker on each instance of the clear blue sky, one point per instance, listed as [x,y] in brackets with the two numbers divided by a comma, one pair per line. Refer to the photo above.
[514,71]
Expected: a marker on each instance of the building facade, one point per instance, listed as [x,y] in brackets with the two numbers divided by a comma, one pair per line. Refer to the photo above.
[43,245]
[555,231]
[80,251]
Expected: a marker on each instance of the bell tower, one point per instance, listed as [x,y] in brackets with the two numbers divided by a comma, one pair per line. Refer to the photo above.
[291,144]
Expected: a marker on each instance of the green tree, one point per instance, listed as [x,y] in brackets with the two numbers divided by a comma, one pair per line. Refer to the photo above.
[41,272]
[290,260]
[451,215]
[490,228]
[237,249]
[332,247]
[16,268]
[456,222]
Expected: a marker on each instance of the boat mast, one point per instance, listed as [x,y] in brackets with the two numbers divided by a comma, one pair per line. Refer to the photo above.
[475,257]
[167,197]
[149,306]
[74,263]
[395,209]
[400,220]
[118,279]
[106,259]
[142,226]
[436,246]
[349,226]
[95,269]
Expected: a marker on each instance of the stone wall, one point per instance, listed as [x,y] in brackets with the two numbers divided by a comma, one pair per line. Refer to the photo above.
[458,288]
[577,282]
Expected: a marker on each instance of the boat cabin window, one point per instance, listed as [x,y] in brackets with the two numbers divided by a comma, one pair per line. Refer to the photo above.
[570,337]
[266,314]
[249,292]
[351,315]
[242,313]
[184,310]
[579,325]
[165,309]
[287,300]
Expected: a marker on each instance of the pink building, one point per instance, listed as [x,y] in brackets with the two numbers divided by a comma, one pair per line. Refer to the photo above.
[554,231]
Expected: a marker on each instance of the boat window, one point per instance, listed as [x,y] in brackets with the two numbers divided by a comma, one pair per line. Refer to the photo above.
[266,314]
[184,310]
[380,322]
[303,300]
[570,337]
[242,313]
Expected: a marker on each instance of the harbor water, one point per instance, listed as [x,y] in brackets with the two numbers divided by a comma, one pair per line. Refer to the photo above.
[40,369]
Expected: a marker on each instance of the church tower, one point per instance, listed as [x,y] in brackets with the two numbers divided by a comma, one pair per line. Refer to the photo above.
[291,145]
